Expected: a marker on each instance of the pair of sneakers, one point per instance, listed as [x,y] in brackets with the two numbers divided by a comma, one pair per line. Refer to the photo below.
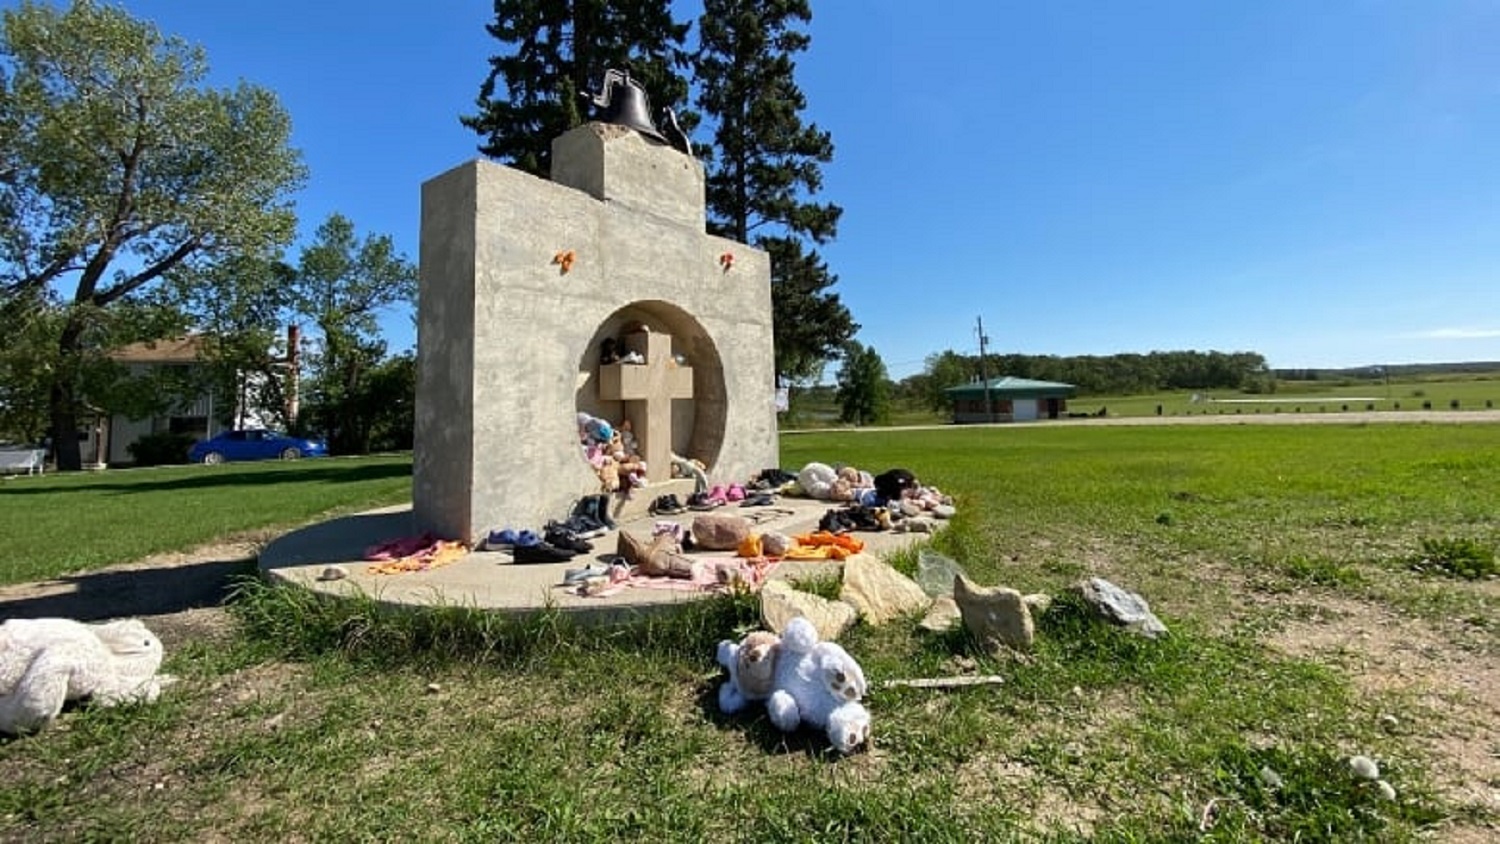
[667,505]
[541,552]
[561,535]
[508,538]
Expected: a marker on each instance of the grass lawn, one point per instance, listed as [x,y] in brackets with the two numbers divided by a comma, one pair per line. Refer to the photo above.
[55,524]
[1280,557]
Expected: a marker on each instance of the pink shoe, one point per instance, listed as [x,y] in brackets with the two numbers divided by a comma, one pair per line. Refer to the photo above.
[735,493]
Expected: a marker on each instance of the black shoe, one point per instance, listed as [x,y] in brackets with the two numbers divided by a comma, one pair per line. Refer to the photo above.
[542,552]
[561,536]
[667,505]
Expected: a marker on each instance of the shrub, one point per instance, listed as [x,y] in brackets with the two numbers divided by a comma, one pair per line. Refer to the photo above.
[160,449]
[1466,558]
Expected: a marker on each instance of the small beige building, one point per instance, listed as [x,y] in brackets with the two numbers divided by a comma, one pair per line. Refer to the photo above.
[1009,399]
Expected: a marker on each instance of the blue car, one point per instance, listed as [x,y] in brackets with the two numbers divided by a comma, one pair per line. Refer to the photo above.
[254,444]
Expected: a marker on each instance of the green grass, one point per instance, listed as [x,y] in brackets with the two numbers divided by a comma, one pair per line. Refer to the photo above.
[338,720]
[1307,397]
[56,524]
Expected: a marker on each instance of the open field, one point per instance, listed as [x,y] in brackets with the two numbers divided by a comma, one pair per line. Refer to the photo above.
[1309,622]
[1410,394]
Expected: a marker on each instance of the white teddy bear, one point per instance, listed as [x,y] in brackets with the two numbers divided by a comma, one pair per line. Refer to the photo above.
[46,662]
[814,682]
[751,664]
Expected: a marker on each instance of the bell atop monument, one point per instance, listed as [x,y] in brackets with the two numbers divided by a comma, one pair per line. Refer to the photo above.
[623,101]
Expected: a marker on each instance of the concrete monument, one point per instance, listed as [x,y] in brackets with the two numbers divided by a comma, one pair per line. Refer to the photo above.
[522,279]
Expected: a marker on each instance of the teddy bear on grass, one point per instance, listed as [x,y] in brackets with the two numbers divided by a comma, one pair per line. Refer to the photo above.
[810,681]
[47,662]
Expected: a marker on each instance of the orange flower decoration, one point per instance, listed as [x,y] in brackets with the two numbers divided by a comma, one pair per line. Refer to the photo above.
[564,260]
[727,261]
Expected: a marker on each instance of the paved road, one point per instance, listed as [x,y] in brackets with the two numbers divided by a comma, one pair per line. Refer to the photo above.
[1360,417]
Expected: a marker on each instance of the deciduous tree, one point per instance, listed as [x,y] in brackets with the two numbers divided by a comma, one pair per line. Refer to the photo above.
[864,387]
[342,284]
[117,166]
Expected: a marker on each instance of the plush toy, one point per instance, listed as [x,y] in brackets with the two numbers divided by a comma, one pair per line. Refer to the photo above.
[816,682]
[751,663]
[816,480]
[46,662]
[609,475]
[626,433]
[592,429]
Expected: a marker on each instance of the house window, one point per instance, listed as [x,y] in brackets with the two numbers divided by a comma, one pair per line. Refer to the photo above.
[194,426]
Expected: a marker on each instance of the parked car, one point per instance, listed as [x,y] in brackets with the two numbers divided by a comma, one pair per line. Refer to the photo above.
[254,444]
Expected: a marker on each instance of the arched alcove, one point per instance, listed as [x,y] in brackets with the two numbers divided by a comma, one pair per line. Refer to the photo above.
[698,423]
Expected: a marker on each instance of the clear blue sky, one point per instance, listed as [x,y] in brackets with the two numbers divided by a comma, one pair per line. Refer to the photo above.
[1315,181]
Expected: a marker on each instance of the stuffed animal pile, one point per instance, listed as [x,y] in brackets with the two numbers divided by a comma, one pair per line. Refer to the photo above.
[47,662]
[801,680]
[612,452]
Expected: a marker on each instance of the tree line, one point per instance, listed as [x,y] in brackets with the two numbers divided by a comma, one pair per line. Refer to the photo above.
[1102,375]
[138,204]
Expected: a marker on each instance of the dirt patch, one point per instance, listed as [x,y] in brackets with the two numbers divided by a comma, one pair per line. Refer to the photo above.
[179,595]
[1454,695]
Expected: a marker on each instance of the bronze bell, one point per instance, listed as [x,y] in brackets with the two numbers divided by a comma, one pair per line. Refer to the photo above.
[623,101]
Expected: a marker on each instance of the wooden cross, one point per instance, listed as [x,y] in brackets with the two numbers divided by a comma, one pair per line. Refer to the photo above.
[647,389]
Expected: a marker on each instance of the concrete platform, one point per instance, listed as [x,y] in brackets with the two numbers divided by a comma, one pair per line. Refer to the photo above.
[492,580]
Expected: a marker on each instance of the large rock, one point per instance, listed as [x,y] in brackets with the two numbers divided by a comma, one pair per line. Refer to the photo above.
[996,616]
[878,591]
[720,532]
[1120,606]
[780,603]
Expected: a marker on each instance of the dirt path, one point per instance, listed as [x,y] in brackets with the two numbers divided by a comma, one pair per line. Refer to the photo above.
[179,595]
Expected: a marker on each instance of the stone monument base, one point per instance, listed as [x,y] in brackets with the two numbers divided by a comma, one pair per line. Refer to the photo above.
[492,581]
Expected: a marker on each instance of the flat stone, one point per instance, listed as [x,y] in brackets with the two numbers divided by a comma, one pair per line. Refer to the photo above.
[775,544]
[878,591]
[996,616]
[942,615]
[1121,607]
[720,532]
[780,603]
[1038,603]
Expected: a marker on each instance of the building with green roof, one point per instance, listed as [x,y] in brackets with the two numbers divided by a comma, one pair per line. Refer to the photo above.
[1009,399]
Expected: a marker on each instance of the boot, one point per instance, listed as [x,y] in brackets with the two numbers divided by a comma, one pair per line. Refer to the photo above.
[597,506]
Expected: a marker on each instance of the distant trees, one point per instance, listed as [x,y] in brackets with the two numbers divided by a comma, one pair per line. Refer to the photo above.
[864,386]
[554,51]
[1108,374]
[116,168]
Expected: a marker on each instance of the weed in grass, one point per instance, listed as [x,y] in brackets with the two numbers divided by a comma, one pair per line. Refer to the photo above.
[1466,558]
[1322,571]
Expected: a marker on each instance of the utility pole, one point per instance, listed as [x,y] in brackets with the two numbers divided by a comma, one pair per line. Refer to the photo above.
[989,408]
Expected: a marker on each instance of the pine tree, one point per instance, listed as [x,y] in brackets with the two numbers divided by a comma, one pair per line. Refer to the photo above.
[559,49]
[767,164]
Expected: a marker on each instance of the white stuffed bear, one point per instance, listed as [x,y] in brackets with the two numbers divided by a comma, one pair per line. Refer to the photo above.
[46,662]
[816,480]
[751,664]
[814,682]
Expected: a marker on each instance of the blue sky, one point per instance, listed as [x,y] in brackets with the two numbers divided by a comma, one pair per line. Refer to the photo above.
[1314,181]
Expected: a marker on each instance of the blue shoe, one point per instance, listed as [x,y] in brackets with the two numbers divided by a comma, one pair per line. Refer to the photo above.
[499,539]
[527,539]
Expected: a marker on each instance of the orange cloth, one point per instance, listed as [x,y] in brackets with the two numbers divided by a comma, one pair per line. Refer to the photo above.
[440,553]
[750,547]
[838,540]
